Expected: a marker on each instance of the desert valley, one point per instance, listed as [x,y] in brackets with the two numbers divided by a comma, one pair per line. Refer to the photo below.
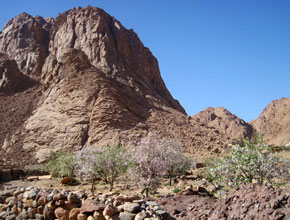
[82,79]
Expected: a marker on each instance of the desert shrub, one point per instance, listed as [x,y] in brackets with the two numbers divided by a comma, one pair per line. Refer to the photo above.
[61,164]
[154,159]
[246,163]
[175,162]
[107,163]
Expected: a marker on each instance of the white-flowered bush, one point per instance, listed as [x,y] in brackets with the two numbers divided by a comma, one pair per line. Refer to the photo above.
[251,162]
[156,158]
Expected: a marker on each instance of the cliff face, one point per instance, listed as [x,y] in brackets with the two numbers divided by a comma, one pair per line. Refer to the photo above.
[25,39]
[94,83]
[274,122]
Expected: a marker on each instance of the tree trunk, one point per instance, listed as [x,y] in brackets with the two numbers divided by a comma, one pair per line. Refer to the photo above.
[111,186]
[147,192]
[93,186]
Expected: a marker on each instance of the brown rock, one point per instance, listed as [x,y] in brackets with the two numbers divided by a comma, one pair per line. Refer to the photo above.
[68,180]
[132,207]
[90,206]
[60,202]
[48,213]
[82,217]
[62,213]
[40,209]
[74,213]
[32,178]
[98,215]
[73,198]
[141,216]
[27,203]
[42,201]
[110,211]
[70,205]
[59,196]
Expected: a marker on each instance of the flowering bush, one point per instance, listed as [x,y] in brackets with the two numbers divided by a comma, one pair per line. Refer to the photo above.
[175,162]
[246,163]
[154,159]
[87,167]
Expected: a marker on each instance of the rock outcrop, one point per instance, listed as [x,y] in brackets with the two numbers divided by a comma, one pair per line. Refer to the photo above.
[25,39]
[98,85]
[274,122]
[10,75]
[227,123]
[11,79]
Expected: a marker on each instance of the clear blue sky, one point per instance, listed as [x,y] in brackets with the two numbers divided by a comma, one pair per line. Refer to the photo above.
[230,53]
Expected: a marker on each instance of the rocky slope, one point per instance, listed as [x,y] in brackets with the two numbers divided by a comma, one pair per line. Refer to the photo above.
[95,83]
[274,122]
[246,202]
[227,123]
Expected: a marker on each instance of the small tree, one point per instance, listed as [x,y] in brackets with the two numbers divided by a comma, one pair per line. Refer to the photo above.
[175,162]
[106,163]
[113,162]
[251,161]
[86,161]
[61,164]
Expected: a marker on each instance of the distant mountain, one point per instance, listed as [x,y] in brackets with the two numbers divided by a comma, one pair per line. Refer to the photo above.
[227,123]
[274,122]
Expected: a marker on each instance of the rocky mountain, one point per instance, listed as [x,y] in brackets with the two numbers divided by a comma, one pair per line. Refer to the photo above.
[85,80]
[227,123]
[274,122]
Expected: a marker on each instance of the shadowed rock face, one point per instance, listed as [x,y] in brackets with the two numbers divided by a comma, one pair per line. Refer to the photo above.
[98,85]
[10,75]
[224,121]
[11,79]
[274,122]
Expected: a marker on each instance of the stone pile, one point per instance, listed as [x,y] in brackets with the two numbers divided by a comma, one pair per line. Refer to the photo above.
[49,204]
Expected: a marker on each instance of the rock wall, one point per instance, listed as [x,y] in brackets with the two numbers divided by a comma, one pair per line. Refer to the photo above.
[50,204]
